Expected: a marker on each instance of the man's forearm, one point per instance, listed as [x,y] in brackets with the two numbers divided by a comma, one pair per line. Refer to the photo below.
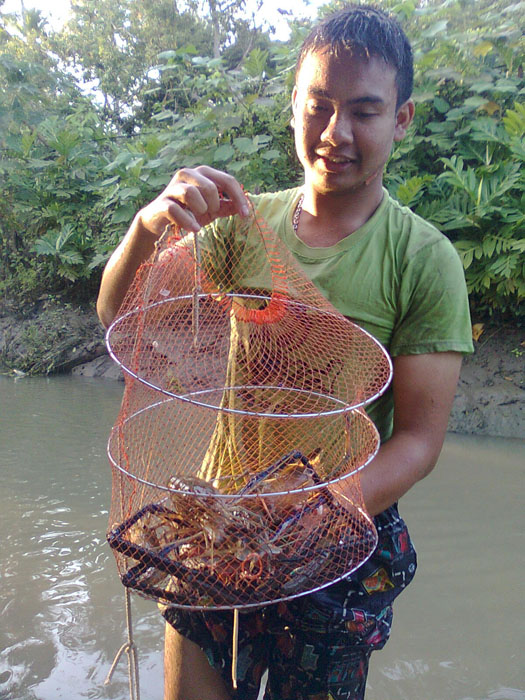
[399,464]
[137,246]
[424,387]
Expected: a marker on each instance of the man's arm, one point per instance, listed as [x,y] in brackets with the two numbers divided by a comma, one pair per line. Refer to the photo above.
[192,199]
[424,388]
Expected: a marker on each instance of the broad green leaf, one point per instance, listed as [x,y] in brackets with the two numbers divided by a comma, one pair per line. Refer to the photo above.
[459,112]
[224,153]
[271,154]
[262,139]
[66,233]
[489,245]
[110,181]
[474,101]
[466,252]
[38,163]
[124,214]
[246,145]
[441,105]
[135,163]
[438,127]
[256,63]
[238,166]
[154,164]
[514,120]
[98,260]
[166,55]
[129,193]
[435,29]
[122,158]
[157,181]
[71,257]
[482,86]
[408,191]
[505,85]
[46,245]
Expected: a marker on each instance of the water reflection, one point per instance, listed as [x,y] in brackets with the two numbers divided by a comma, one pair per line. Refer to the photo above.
[456,634]
[61,602]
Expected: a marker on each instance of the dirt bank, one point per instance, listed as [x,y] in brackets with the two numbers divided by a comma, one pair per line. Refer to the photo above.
[52,338]
[490,399]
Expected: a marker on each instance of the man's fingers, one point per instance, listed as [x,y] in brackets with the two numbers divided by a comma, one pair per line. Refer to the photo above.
[195,198]
[182,217]
[228,208]
[229,187]
[213,186]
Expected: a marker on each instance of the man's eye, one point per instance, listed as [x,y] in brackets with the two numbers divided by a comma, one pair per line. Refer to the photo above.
[314,107]
[365,115]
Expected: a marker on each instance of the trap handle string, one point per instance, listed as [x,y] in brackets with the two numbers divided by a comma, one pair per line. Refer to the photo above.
[130,649]
[197,287]
[235,646]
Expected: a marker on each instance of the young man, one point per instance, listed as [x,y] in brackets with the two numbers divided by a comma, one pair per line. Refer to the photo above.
[384,268]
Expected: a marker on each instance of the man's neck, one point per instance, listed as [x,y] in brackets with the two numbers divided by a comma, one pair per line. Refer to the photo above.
[328,218]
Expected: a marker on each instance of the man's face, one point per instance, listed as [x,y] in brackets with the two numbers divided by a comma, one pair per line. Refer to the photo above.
[345,120]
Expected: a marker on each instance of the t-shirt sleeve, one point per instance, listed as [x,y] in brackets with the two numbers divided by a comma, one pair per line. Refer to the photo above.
[433,303]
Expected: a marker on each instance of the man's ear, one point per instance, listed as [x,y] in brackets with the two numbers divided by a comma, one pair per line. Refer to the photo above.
[404,117]
[294,106]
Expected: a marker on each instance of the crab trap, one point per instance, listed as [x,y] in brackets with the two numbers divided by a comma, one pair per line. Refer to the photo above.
[237,450]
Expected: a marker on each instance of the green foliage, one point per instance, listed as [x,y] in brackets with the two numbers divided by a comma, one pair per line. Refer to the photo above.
[483,208]
[52,157]
[231,119]
[461,166]
[74,172]
[113,44]
[54,194]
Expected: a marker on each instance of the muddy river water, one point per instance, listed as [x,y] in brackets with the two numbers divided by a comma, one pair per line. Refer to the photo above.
[458,631]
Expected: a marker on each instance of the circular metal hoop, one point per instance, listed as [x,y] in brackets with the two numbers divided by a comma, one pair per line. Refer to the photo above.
[198,397]
[116,461]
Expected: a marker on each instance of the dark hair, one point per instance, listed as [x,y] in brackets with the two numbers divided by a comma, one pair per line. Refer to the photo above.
[368,31]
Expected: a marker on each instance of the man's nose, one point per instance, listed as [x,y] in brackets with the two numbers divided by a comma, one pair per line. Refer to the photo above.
[338,130]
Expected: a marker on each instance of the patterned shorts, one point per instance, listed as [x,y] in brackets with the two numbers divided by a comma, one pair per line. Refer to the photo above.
[317,646]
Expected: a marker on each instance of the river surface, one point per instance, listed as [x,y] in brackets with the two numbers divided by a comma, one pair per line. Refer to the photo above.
[458,631]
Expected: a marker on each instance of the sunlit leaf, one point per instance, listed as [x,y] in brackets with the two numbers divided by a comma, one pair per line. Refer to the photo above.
[477,330]
[490,107]
[483,49]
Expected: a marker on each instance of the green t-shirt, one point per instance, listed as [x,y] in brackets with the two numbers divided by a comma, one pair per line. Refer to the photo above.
[397,277]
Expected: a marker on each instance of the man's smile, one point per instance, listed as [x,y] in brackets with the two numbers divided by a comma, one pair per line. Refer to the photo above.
[335,162]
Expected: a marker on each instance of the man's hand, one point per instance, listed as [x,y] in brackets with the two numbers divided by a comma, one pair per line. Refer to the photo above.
[194,198]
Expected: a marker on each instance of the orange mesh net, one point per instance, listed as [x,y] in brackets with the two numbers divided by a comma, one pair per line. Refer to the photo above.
[237,449]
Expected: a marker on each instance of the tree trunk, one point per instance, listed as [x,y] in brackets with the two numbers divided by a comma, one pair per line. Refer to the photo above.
[216,28]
